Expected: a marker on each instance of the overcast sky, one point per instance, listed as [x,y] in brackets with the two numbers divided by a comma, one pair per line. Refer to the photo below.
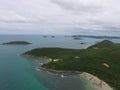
[98,17]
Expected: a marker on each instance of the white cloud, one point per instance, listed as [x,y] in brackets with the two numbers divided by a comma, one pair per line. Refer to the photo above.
[61,16]
[80,5]
[11,17]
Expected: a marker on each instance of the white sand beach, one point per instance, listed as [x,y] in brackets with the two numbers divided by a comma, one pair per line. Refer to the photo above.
[94,83]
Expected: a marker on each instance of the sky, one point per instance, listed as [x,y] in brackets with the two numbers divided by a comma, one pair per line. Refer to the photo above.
[94,17]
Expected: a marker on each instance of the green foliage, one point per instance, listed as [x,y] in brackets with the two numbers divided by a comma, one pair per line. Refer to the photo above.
[89,60]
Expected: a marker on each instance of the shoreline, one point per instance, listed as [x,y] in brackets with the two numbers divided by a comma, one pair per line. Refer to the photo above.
[35,57]
[89,78]
[94,82]
[91,81]
[66,73]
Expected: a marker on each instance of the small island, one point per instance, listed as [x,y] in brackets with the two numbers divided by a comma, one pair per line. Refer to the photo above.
[77,38]
[82,43]
[101,60]
[16,43]
[52,36]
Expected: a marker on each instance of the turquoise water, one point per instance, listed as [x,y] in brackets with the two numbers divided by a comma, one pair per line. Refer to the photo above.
[19,73]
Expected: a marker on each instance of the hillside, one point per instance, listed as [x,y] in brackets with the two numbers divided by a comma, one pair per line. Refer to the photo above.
[101,60]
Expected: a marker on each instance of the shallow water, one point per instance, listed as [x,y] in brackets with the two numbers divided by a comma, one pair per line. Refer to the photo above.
[19,73]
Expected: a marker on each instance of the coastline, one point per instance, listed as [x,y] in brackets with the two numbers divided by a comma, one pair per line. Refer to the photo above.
[35,57]
[91,82]
[94,83]
[65,73]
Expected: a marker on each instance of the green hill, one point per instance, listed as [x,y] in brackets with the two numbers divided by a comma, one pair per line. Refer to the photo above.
[101,60]
[105,44]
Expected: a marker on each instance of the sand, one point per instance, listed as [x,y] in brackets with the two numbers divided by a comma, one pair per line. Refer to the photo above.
[94,83]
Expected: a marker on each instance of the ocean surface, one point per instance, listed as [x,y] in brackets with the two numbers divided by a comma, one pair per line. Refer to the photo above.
[20,73]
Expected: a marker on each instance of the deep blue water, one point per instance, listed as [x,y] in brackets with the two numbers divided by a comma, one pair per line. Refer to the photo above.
[19,73]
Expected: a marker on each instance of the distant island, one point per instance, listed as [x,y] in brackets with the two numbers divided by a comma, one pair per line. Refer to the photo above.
[16,43]
[96,37]
[82,43]
[53,36]
[77,38]
[101,60]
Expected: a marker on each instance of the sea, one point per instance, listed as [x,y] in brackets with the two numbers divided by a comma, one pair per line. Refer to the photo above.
[20,73]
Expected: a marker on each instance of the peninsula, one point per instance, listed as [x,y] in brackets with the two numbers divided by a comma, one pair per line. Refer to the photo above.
[16,43]
[101,60]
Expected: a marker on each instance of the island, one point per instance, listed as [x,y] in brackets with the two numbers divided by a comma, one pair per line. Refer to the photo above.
[82,43]
[17,43]
[77,38]
[52,36]
[101,60]
[96,37]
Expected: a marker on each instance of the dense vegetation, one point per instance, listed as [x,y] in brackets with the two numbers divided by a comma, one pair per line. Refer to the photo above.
[89,60]
[16,42]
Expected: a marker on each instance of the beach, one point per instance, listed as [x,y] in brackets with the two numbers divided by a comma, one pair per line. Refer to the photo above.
[94,83]
[90,81]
